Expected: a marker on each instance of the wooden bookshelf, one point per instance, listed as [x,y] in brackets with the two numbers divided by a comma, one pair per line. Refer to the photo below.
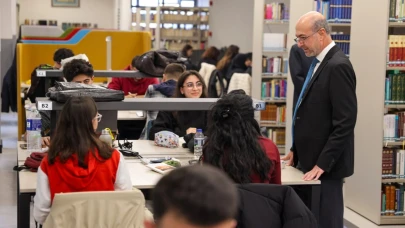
[395,68]
[387,181]
[396,24]
[396,106]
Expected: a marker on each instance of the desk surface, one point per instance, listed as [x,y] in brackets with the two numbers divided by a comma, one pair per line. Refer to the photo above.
[131,115]
[144,178]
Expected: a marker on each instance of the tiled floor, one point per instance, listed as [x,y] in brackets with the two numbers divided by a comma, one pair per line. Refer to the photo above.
[8,181]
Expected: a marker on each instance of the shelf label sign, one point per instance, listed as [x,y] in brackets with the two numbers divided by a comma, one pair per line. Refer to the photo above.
[259,106]
[44,105]
[41,73]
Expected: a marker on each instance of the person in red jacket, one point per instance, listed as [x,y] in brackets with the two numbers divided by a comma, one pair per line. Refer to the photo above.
[132,87]
[77,159]
[234,142]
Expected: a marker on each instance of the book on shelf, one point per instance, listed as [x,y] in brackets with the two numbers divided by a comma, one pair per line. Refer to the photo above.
[276,135]
[276,11]
[339,11]
[394,88]
[273,114]
[396,47]
[396,10]
[275,65]
[274,89]
[394,126]
[342,41]
[392,199]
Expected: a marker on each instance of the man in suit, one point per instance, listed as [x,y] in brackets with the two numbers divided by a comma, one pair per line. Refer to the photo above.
[324,117]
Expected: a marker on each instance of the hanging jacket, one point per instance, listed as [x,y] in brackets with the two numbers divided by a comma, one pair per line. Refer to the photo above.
[9,88]
[275,206]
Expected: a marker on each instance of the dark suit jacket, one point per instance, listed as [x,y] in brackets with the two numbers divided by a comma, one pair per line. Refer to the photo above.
[325,121]
[299,66]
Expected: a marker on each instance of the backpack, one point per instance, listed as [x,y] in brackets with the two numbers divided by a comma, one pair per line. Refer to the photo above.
[65,90]
[32,162]
[153,63]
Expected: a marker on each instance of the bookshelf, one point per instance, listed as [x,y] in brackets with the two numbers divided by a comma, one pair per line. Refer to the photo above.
[263,24]
[173,27]
[366,191]
[339,14]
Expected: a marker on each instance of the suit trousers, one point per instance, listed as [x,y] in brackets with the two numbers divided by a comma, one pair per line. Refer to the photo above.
[331,206]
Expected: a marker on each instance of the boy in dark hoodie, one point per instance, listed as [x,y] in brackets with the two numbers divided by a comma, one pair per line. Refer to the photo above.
[165,89]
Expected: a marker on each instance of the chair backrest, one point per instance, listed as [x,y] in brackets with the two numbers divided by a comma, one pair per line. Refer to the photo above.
[216,85]
[97,209]
[241,81]
[206,71]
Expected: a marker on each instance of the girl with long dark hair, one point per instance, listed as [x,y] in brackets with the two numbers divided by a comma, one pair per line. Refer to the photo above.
[234,142]
[77,159]
[189,85]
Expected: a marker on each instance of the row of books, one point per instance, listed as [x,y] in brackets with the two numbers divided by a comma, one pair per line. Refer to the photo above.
[273,114]
[393,165]
[276,135]
[396,50]
[335,9]
[343,41]
[275,65]
[395,88]
[397,10]
[276,11]
[274,89]
[394,126]
[392,199]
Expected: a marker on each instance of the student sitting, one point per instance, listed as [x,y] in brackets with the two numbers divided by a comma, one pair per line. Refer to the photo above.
[165,89]
[77,159]
[234,142]
[209,56]
[194,197]
[37,88]
[189,85]
[77,70]
[132,87]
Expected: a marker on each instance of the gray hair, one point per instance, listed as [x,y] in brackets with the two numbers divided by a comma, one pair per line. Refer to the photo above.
[321,23]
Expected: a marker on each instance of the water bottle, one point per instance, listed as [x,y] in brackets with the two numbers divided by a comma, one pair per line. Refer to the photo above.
[33,129]
[198,144]
[106,137]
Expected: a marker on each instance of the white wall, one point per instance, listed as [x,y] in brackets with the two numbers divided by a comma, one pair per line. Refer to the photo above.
[231,23]
[100,12]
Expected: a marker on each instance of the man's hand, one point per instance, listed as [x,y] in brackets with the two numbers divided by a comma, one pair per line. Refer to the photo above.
[131,95]
[314,174]
[191,130]
[289,158]
[46,141]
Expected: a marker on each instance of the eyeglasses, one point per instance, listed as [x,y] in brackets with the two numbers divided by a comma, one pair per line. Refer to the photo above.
[191,85]
[302,39]
[98,117]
